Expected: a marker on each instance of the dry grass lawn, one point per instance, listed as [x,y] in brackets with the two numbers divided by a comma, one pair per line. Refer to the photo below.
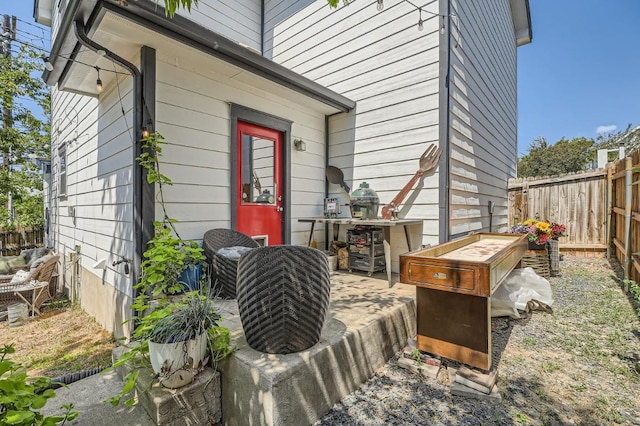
[63,340]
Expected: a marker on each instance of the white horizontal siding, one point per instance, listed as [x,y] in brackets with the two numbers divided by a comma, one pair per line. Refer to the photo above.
[483,114]
[192,112]
[99,180]
[238,20]
[391,70]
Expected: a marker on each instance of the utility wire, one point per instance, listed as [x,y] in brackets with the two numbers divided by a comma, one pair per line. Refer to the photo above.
[41,28]
[67,57]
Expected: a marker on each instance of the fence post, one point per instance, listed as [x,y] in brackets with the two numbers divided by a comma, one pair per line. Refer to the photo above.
[628,181]
[609,216]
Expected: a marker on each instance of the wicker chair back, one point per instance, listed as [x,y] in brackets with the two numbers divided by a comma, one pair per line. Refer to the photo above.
[224,271]
[283,297]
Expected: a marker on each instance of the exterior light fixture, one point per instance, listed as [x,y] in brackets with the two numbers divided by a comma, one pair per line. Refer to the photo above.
[380,5]
[47,63]
[98,81]
[420,21]
[145,132]
[300,145]
[442,29]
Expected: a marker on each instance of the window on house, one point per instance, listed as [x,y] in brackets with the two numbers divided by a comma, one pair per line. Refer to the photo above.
[62,175]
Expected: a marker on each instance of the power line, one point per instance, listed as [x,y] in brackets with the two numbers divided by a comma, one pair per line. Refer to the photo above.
[47,53]
[31,34]
[40,27]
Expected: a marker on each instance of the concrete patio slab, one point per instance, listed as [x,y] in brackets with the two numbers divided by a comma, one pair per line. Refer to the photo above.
[367,323]
[90,396]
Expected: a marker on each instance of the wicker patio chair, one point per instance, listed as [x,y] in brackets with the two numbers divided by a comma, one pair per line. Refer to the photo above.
[42,273]
[283,297]
[224,270]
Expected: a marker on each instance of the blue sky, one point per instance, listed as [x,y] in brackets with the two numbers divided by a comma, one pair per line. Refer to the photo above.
[582,70]
[581,73]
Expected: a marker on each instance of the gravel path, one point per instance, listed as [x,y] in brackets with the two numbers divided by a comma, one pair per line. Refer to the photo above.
[579,365]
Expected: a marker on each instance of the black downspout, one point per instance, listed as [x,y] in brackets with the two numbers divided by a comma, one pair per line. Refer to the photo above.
[81,35]
[445,165]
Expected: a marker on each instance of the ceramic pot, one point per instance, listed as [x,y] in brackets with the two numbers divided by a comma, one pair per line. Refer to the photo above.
[171,360]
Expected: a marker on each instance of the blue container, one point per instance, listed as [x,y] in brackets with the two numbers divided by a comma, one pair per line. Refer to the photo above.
[190,277]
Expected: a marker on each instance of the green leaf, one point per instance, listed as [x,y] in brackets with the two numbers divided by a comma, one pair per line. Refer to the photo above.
[14,417]
[38,402]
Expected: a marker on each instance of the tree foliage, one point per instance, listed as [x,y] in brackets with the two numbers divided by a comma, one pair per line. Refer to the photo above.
[23,137]
[570,156]
[171,6]
[565,156]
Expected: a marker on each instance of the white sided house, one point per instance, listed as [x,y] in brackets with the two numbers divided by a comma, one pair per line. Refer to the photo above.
[278,90]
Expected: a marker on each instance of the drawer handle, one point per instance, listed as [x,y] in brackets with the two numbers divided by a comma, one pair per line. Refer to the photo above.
[439,275]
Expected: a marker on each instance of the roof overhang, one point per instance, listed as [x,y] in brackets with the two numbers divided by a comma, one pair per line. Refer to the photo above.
[148,14]
[42,11]
[521,15]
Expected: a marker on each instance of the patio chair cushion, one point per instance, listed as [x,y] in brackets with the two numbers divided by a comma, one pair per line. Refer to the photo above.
[33,254]
[234,252]
[39,261]
[20,277]
[8,263]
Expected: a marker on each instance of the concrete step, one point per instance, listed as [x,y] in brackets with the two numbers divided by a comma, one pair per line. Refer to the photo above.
[90,397]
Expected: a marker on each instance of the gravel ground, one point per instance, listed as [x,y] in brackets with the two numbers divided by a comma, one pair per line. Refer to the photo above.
[579,365]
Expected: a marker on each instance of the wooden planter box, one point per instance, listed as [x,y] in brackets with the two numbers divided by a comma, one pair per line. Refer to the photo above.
[454,283]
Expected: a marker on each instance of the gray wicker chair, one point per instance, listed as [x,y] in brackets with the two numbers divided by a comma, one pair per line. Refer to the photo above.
[283,296]
[224,270]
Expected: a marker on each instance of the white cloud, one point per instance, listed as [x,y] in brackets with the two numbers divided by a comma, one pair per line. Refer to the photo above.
[606,129]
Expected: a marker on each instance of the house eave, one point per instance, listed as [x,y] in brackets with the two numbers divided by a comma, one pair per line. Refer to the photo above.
[42,11]
[150,15]
[521,16]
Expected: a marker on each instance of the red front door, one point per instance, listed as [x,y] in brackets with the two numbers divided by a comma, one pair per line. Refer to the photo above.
[259,169]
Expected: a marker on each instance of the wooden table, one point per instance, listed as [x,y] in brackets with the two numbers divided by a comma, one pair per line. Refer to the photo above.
[386,226]
[36,288]
[454,283]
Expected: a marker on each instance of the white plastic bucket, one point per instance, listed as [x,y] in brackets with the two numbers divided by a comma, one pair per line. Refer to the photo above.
[333,261]
[18,314]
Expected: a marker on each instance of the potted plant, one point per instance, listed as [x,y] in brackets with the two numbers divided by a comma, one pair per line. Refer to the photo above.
[171,265]
[174,340]
[538,232]
[170,324]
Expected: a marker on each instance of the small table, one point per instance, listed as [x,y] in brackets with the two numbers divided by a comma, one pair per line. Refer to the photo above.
[36,288]
[386,225]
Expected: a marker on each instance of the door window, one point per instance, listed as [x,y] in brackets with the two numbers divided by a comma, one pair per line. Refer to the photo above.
[258,170]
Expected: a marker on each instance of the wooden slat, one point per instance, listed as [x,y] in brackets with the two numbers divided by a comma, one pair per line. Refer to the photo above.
[530,182]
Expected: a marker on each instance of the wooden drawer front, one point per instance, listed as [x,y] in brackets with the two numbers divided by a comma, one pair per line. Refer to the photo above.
[442,277]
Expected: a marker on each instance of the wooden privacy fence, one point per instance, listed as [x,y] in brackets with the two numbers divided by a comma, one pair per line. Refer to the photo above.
[13,242]
[601,210]
[625,213]
[577,200]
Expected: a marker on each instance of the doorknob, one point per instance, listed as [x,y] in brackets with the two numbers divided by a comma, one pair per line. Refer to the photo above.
[279,208]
